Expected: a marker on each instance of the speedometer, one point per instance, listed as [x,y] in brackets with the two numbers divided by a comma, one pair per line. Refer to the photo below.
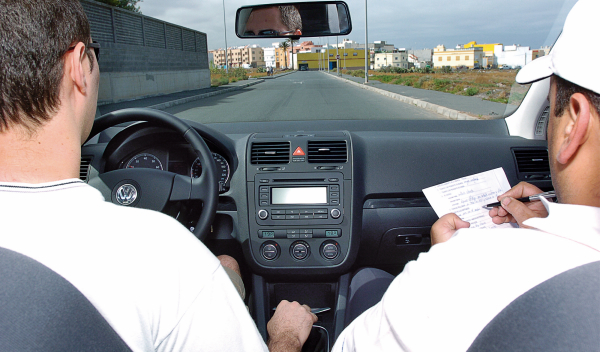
[146,161]
[222,168]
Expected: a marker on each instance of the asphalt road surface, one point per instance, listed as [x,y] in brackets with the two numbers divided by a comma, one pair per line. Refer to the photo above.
[304,95]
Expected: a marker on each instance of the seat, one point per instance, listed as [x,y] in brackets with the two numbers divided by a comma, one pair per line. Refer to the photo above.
[41,311]
[560,314]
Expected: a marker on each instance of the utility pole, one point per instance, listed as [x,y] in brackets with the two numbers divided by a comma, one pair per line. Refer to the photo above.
[327,54]
[366,47]
[225,28]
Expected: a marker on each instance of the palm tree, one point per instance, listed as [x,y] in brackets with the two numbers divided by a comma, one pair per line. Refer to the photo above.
[284,45]
[291,41]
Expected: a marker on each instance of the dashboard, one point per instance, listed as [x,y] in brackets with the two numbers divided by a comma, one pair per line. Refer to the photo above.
[298,216]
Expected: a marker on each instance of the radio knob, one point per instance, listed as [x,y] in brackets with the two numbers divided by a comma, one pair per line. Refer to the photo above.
[335,213]
[263,214]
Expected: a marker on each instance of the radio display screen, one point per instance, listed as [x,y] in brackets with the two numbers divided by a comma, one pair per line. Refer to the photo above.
[299,195]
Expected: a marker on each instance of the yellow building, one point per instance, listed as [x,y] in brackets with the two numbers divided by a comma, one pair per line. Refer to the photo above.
[468,57]
[351,59]
[489,59]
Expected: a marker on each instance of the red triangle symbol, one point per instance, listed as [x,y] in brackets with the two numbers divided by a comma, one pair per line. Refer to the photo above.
[299,151]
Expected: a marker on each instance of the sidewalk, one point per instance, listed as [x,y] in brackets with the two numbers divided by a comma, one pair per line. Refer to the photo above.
[453,104]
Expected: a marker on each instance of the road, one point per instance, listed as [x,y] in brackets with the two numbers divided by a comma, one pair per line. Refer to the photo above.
[299,96]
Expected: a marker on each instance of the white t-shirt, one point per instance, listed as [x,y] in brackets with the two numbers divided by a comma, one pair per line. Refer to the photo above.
[441,301]
[158,286]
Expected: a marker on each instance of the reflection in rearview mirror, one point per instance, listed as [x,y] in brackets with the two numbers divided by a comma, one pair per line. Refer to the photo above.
[300,19]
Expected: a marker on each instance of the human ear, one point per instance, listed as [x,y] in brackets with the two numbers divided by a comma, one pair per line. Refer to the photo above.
[576,128]
[77,67]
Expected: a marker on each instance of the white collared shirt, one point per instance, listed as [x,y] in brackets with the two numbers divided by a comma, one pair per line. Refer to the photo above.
[442,300]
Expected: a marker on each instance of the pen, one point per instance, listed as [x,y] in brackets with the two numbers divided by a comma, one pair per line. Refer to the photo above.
[532,198]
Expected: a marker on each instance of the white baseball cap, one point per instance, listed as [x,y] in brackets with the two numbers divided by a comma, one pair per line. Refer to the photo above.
[575,42]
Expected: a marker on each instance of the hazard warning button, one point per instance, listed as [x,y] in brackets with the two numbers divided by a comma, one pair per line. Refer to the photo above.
[299,152]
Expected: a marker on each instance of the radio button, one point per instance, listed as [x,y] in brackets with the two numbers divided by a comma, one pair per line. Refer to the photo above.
[335,213]
[263,214]
[292,211]
[321,216]
[320,211]
[264,196]
[307,211]
[334,202]
[307,217]
[334,194]
[306,231]
[305,235]
[292,217]
[264,202]
[293,236]
[263,181]
[292,231]
[277,217]
[333,180]
[334,188]
[278,212]
[264,189]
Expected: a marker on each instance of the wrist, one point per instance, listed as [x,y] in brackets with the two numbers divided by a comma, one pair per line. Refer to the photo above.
[284,342]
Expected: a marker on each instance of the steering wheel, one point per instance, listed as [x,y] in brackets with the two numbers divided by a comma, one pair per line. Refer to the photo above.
[152,189]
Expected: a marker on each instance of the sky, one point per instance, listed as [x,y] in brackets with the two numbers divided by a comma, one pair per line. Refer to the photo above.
[406,24]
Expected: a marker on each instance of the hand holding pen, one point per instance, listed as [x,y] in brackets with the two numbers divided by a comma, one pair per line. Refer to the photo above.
[514,210]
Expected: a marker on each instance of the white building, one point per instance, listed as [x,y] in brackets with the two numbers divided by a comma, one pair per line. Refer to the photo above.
[513,55]
[398,59]
[270,57]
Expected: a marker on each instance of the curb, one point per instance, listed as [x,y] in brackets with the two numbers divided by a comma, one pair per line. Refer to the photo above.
[279,75]
[172,103]
[450,114]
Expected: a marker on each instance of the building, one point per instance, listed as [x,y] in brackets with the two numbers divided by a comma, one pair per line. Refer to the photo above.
[516,55]
[321,58]
[420,58]
[243,56]
[458,57]
[270,57]
[395,59]
[489,58]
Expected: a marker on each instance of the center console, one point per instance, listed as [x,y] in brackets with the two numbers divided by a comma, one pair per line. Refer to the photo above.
[300,199]
[299,188]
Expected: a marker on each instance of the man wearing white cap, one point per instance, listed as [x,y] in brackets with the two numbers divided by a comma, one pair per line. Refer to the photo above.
[442,301]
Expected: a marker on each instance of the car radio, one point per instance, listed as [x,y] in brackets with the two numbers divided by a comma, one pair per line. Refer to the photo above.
[299,201]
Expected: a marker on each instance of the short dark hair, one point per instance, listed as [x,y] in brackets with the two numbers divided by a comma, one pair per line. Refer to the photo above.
[34,37]
[290,16]
[564,91]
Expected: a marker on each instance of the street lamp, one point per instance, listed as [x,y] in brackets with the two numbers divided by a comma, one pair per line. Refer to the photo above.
[225,28]
[366,47]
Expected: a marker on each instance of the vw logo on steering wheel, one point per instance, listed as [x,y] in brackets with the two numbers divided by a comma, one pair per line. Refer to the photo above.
[126,194]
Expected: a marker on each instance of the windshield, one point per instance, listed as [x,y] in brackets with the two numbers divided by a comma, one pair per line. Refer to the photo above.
[436,61]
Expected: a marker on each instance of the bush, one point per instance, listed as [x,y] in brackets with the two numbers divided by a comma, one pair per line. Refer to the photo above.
[357,73]
[216,82]
[471,91]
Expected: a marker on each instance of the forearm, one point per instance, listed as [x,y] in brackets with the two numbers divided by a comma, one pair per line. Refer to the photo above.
[284,343]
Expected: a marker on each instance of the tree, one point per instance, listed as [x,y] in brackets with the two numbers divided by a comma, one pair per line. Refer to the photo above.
[290,42]
[284,45]
[131,5]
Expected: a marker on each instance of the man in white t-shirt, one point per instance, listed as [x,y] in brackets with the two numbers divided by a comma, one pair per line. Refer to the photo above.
[441,301]
[158,286]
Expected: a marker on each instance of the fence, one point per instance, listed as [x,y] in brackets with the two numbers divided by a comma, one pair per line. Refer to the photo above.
[156,57]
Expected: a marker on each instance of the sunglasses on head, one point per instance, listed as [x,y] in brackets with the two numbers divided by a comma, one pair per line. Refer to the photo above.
[94,45]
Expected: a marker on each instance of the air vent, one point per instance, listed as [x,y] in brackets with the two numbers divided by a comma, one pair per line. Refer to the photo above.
[84,167]
[327,152]
[532,164]
[540,127]
[270,153]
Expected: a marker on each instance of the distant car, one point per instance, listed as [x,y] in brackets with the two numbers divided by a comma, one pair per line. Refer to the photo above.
[303,68]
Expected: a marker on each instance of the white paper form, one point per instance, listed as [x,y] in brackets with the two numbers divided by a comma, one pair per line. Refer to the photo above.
[466,197]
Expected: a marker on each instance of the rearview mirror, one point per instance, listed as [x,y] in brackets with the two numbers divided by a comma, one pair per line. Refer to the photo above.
[298,19]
